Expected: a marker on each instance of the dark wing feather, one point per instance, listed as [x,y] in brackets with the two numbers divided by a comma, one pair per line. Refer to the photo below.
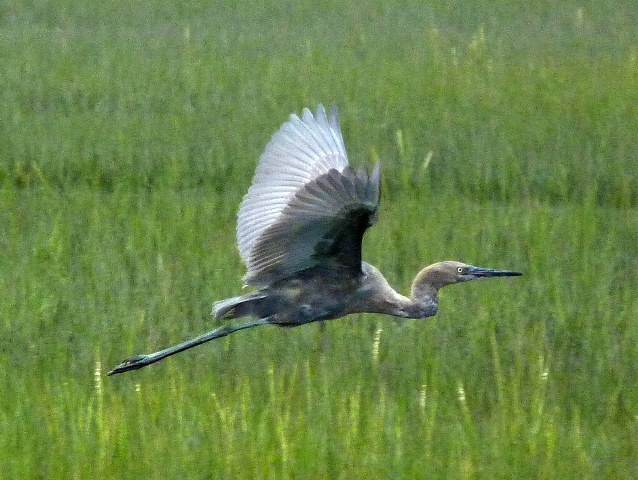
[322,225]
[301,151]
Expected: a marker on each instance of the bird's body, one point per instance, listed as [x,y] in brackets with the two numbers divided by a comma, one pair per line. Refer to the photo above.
[299,231]
[323,294]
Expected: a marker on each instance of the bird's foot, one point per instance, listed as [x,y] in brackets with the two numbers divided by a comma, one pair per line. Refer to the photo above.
[131,363]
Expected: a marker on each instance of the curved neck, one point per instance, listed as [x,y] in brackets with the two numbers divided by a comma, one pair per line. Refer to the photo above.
[424,295]
[375,295]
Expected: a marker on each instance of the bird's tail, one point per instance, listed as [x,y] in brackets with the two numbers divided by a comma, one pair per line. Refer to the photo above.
[242,306]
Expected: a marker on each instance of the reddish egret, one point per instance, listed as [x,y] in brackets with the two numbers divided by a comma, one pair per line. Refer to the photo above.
[299,231]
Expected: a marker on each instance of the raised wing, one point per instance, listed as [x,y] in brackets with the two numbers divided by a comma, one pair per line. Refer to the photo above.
[306,206]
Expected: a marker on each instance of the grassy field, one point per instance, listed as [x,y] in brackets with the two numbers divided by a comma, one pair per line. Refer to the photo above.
[129,134]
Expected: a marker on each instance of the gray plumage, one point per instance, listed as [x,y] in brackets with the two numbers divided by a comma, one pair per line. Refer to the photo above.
[305,202]
[299,232]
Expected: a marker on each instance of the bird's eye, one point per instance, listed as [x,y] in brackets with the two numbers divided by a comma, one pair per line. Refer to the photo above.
[461,270]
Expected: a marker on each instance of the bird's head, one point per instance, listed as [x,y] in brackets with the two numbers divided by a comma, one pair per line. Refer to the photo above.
[445,273]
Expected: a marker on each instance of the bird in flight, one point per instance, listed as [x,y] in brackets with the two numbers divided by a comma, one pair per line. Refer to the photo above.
[299,232]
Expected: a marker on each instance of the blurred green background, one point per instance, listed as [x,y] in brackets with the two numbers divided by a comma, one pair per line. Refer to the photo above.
[507,133]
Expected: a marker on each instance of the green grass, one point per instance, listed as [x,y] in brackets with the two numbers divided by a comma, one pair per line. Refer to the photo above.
[128,135]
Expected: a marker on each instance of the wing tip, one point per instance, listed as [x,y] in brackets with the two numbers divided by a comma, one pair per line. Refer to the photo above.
[330,117]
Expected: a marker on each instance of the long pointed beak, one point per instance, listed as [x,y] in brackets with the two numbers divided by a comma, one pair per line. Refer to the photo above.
[490,272]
